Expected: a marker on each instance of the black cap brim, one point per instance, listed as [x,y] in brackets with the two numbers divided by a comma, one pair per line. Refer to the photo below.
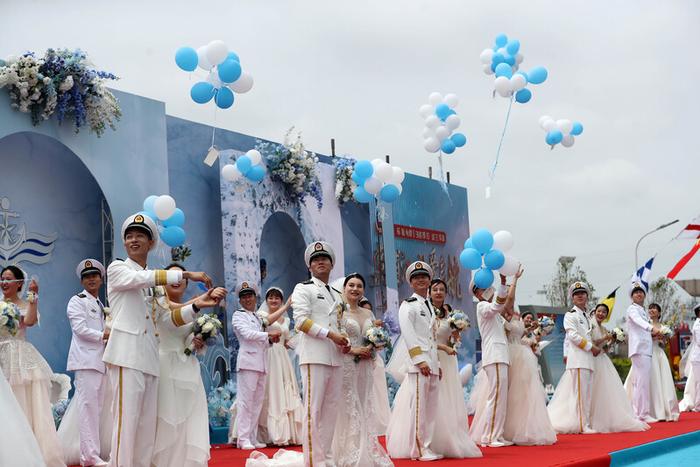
[89,271]
[138,226]
[316,254]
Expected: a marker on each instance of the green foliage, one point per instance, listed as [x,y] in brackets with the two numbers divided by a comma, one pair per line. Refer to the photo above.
[557,291]
[622,365]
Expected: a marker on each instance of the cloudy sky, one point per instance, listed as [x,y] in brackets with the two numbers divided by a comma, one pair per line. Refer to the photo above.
[358,72]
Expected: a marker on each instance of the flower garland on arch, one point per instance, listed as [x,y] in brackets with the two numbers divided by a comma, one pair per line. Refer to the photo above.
[292,165]
[61,83]
[344,184]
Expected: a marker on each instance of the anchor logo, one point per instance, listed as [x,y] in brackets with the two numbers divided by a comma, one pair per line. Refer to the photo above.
[16,244]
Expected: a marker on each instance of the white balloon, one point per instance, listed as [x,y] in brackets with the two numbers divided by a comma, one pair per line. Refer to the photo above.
[452,100]
[216,52]
[435,98]
[550,125]
[502,85]
[255,156]
[373,185]
[503,240]
[431,144]
[565,125]
[568,141]
[231,173]
[432,121]
[164,207]
[518,58]
[213,78]
[510,266]
[518,82]
[425,110]
[487,69]
[486,56]
[428,133]
[242,84]
[383,172]
[397,176]
[452,122]
[503,51]
[442,132]
[400,187]
[202,61]
[544,119]
[376,162]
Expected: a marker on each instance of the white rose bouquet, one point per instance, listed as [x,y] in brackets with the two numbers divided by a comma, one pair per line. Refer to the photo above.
[9,318]
[546,326]
[666,331]
[619,335]
[377,336]
[459,321]
[204,327]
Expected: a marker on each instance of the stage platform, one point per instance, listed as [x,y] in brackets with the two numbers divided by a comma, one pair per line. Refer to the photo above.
[570,450]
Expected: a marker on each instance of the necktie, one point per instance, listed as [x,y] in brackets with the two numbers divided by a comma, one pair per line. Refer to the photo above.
[430,309]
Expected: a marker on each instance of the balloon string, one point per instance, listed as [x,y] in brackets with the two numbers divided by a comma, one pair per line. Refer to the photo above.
[442,178]
[213,130]
[500,143]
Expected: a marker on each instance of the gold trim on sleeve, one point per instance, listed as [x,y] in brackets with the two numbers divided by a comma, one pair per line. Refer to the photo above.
[414,352]
[500,300]
[583,344]
[176,316]
[306,326]
[161,277]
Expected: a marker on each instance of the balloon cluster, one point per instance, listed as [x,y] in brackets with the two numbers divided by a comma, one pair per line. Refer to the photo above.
[225,73]
[560,131]
[503,60]
[163,208]
[485,253]
[441,121]
[377,179]
[249,165]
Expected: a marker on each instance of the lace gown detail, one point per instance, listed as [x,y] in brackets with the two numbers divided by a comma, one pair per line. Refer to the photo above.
[355,442]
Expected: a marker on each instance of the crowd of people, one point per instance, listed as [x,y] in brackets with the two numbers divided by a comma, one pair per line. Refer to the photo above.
[140,399]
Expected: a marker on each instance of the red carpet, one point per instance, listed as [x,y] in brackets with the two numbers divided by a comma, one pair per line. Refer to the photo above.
[578,450]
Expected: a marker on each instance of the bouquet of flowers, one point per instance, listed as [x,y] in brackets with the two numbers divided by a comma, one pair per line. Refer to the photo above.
[546,325]
[377,336]
[344,184]
[619,335]
[9,318]
[666,331]
[219,402]
[59,410]
[205,327]
[294,166]
[459,321]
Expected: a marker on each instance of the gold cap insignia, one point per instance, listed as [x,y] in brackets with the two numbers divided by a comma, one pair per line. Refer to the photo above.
[88,264]
[318,246]
[244,285]
[577,285]
[419,265]
[139,219]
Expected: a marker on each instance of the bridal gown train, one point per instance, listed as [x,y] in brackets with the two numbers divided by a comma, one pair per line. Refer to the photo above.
[18,446]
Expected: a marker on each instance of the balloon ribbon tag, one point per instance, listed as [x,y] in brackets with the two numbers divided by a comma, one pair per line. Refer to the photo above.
[212,155]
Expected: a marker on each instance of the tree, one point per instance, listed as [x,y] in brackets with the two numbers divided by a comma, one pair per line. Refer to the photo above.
[557,291]
[664,292]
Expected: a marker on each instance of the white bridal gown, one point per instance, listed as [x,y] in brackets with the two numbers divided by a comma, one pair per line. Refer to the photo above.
[451,436]
[18,446]
[29,377]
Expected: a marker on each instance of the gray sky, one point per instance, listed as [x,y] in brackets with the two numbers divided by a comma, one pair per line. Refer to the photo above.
[358,72]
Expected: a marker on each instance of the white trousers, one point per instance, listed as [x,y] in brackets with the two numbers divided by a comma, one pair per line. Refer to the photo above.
[583,379]
[641,385]
[89,391]
[497,402]
[425,404]
[696,376]
[322,391]
[249,401]
[134,409]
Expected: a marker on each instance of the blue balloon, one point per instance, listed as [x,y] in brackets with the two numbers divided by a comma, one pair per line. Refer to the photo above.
[459,139]
[524,75]
[256,173]
[233,56]
[483,278]
[224,98]
[442,111]
[554,137]
[389,193]
[513,46]
[503,69]
[186,58]
[447,146]
[149,205]
[229,71]
[468,243]
[173,236]
[244,164]
[177,219]
[356,178]
[361,195]
[510,60]
[364,169]
[501,40]
[482,240]
[202,92]
[496,59]
[523,96]
[537,75]
[577,129]
[470,258]
[494,259]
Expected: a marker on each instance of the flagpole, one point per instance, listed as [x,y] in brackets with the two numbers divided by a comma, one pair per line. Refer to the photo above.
[636,248]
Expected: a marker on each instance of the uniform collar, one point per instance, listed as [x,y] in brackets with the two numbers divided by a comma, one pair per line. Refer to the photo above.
[89,295]
[134,264]
[579,309]
[318,281]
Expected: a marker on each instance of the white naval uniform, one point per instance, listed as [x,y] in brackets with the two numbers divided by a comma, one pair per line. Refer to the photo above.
[639,351]
[495,362]
[694,359]
[132,355]
[418,330]
[251,365]
[85,313]
[580,363]
[316,308]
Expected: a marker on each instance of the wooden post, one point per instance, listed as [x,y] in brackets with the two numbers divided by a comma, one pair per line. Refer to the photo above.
[430,172]
[448,177]
[333,147]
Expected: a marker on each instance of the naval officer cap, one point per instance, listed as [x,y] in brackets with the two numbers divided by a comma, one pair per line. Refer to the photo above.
[142,222]
[417,268]
[636,285]
[578,286]
[246,287]
[89,266]
[316,249]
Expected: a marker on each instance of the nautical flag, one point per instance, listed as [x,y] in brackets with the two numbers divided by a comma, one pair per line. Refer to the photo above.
[684,260]
[610,302]
[691,231]
[644,272]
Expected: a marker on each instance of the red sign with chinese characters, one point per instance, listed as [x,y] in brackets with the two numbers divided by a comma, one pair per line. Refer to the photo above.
[419,234]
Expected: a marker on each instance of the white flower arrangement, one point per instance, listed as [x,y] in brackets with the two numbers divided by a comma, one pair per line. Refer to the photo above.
[205,327]
[546,325]
[666,331]
[377,336]
[619,335]
[344,184]
[9,318]
[459,321]
[30,91]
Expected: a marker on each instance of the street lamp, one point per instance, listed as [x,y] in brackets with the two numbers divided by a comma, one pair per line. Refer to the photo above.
[636,248]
